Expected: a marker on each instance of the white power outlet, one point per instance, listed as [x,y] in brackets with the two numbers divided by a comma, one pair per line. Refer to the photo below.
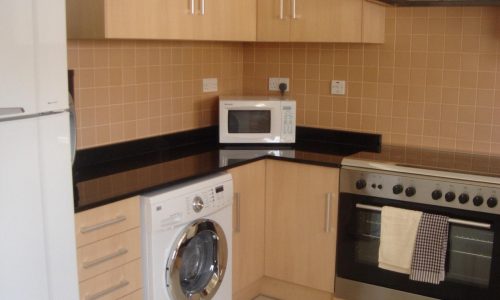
[338,87]
[274,83]
[210,85]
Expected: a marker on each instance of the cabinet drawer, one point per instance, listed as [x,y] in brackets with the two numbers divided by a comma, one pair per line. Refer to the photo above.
[104,255]
[105,221]
[114,284]
[137,295]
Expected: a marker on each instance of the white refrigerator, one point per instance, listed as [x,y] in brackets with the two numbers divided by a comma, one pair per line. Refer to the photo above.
[37,241]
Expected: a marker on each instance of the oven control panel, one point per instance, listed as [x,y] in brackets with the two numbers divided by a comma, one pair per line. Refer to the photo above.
[459,194]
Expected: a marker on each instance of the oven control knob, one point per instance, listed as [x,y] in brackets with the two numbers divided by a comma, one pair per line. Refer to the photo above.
[450,196]
[360,184]
[463,198]
[492,202]
[478,200]
[410,191]
[397,189]
[436,194]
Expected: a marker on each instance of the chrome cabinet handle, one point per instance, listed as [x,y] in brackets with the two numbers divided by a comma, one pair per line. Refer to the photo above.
[100,260]
[123,283]
[95,227]
[202,5]
[328,200]
[10,110]
[294,9]
[237,204]
[281,10]
[191,8]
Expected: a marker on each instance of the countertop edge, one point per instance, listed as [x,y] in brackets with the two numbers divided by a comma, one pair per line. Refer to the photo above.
[114,199]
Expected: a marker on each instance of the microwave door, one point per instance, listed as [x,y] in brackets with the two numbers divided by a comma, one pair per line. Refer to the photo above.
[249,121]
[256,124]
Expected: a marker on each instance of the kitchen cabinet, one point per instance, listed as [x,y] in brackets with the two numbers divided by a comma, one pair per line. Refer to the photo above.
[248,230]
[109,252]
[320,21]
[301,224]
[162,19]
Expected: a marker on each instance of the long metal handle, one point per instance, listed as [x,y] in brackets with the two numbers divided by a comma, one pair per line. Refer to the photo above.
[237,204]
[191,8]
[281,10]
[4,111]
[100,260]
[95,227]
[328,224]
[450,220]
[111,289]
[294,9]
[72,128]
[202,7]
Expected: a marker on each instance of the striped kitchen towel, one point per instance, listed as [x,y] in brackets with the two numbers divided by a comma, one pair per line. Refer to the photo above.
[429,256]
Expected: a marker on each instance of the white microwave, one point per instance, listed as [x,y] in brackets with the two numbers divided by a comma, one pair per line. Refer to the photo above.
[256,120]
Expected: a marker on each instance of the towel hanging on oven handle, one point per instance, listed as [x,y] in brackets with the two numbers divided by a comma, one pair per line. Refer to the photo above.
[450,220]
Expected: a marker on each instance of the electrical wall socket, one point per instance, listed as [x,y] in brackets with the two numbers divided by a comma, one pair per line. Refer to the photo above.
[210,85]
[338,87]
[274,83]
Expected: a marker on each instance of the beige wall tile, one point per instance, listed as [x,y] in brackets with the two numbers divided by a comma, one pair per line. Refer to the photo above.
[124,89]
[434,83]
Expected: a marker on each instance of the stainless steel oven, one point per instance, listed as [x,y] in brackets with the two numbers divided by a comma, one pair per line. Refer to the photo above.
[473,253]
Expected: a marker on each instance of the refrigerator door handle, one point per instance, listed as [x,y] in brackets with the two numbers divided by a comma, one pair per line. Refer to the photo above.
[4,111]
[72,128]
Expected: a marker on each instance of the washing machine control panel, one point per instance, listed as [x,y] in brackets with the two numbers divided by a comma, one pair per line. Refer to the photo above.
[208,199]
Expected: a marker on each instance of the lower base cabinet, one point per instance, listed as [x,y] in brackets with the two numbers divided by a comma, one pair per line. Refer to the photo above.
[248,225]
[286,242]
[109,251]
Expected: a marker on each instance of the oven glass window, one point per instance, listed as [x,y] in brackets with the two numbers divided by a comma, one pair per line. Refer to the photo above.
[469,257]
[249,121]
[469,254]
[367,236]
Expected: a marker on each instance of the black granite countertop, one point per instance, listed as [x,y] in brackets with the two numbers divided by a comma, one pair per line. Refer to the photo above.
[112,173]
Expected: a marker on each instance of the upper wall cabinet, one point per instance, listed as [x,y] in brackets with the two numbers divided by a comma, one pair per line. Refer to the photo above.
[224,20]
[320,21]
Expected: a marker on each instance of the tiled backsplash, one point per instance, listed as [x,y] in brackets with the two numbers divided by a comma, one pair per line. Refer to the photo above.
[434,83]
[127,90]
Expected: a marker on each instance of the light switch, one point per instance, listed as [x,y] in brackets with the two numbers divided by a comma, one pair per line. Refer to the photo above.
[210,85]
[338,87]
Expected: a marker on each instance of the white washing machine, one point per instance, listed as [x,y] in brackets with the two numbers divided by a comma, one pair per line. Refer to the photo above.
[186,240]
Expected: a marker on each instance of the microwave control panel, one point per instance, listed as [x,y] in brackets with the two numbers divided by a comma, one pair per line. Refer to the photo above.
[288,121]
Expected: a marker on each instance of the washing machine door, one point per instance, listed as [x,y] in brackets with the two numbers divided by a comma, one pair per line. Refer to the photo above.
[197,262]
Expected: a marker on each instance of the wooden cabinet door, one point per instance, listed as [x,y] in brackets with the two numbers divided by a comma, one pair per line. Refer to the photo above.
[273,23]
[373,22]
[326,21]
[226,20]
[301,232]
[239,20]
[150,19]
[248,220]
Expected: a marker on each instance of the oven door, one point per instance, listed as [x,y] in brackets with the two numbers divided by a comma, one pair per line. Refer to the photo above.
[472,262]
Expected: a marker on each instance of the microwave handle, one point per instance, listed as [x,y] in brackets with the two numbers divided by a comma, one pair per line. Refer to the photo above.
[450,220]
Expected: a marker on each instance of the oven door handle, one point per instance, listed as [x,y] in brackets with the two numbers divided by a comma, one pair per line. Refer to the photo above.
[450,220]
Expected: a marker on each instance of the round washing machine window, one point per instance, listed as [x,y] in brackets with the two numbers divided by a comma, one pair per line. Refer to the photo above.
[197,264]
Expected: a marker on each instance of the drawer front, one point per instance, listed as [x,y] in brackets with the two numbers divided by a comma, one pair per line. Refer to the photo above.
[107,254]
[114,284]
[137,295]
[105,221]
